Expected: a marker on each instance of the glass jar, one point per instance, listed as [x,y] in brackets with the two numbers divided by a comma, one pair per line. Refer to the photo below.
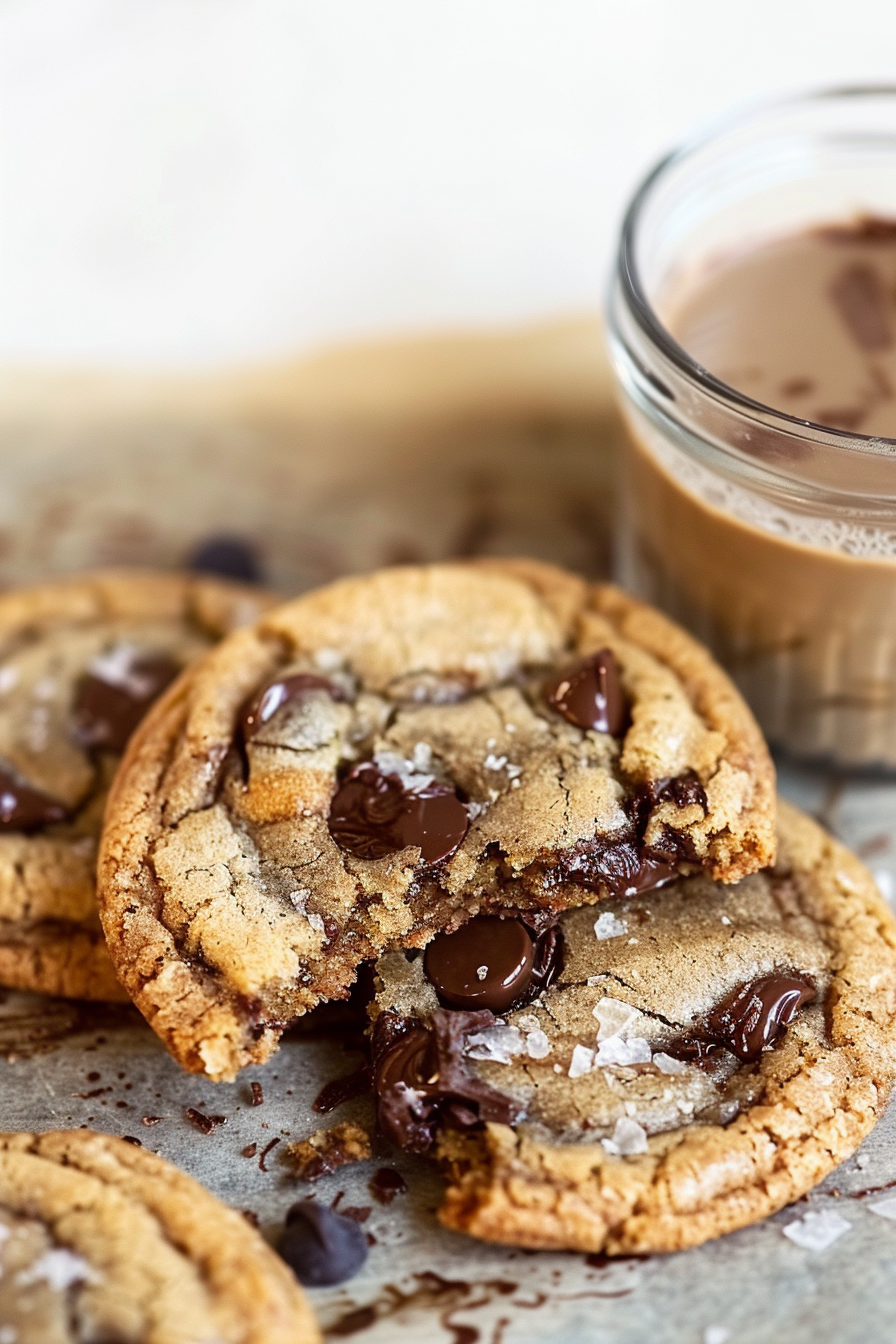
[773,539]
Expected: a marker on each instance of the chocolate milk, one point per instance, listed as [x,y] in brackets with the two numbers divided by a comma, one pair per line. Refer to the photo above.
[797,599]
[805,324]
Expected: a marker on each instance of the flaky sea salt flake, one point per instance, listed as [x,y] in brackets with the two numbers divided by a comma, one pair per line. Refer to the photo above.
[614,1016]
[537,1045]
[582,1061]
[608,926]
[817,1229]
[884,1208]
[668,1063]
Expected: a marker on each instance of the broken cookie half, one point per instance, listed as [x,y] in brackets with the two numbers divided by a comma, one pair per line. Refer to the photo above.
[384,759]
[698,1058]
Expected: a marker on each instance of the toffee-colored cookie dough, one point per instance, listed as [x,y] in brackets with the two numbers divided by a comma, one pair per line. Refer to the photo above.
[706,1055]
[101,1240]
[81,661]
[380,760]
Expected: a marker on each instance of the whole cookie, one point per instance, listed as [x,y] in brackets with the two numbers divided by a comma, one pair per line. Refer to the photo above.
[384,758]
[81,660]
[101,1240]
[703,1056]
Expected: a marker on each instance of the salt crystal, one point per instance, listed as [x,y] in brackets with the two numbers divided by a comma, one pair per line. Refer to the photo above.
[537,1045]
[582,1061]
[60,1268]
[725,919]
[668,1064]
[493,762]
[498,1044]
[475,810]
[614,1050]
[316,921]
[527,1022]
[608,926]
[629,1138]
[862,1161]
[8,678]
[614,1016]
[816,1230]
[884,1208]
[422,757]
[716,1334]
[510,727]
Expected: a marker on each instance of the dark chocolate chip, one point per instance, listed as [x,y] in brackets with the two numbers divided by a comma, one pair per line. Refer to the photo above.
[229,557]
[25,809]
[279,693]
[422,1080]
[589,694]
[487,963]
[753,1017]
[320,1246]
[107,713]
[373,815]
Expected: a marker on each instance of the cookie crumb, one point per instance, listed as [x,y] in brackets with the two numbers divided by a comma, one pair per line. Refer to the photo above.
[328,1149]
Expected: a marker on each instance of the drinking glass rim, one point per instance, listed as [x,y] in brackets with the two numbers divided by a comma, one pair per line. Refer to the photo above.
[645,315]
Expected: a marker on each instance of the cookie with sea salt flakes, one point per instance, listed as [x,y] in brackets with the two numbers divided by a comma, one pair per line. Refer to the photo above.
[384,758]
[101,1240]
[81,660]
[688,1062]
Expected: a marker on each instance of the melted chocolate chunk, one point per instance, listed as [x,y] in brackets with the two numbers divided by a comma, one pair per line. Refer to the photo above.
[373,815]
[106,712]
[229,557]
[755,1015]
[749,1020]
[487,963]
[321,1247]
[860,297]
[589,694]
[548,960]
[617,867]
[421,1079]
[277,694]
[25,809]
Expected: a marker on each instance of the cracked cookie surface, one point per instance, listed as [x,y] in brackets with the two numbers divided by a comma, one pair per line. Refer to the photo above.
[101,1240]
[387,757]
[80,661]
[704,1056]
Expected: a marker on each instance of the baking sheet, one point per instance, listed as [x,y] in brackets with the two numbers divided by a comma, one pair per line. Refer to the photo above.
[68,1065]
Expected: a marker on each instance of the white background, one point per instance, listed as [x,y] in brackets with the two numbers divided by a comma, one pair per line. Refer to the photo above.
[205,180]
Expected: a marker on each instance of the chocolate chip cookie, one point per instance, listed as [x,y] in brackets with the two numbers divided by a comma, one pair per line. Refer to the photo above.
[81,660]
[101,1240]
[689,1062]
[387,757]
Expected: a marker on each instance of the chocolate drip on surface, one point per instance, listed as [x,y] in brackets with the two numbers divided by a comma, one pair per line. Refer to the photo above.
[373,815]
[589,694]
[23,808]
[422,1081]
[861,300]
[106,713]
[751,1018]
[279,693]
